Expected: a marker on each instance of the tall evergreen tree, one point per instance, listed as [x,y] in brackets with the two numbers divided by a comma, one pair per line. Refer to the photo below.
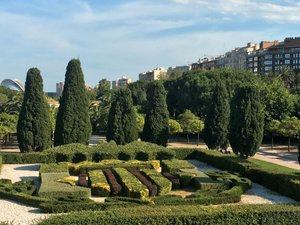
[246,122]
[122,123]
[156,128]
[217,119]
[73,123]
[34,126]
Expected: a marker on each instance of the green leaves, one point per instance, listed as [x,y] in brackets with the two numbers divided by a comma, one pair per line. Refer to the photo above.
[122,122]
[34,126]
[73,122]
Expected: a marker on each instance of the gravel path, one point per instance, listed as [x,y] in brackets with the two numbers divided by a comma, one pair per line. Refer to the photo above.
[258,194]
[15,212]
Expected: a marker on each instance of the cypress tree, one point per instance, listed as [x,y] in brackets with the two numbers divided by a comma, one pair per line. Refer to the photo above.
[73,123]
[217,119]
[122,124]
[156,128]
[34,126]
[246,122]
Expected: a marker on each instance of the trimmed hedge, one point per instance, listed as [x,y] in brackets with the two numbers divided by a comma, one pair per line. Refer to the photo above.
[115,187]
[145,181]
[175,165]
[86,166]
[164,185]
[132,186]
[178,215]
[52,189]
[175,181]
[99,185]
[54,168]
[278,178]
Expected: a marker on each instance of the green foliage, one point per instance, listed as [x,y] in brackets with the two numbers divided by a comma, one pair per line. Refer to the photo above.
[122,123]
[8,124]
[54,168]
[156,128]
[177,215]
[190,123]
[290,127]
[34,126]
[99,185]
[217,119]
[52,189]
[175,165]
[138,91]
[10,101]
[246,122]
[133,187]
[272,176]
[175,127]
[140,120]
[73,123]
[163,184]
[103,89]
[278,100]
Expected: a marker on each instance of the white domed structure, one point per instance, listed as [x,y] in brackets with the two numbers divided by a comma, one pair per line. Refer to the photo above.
[13,84]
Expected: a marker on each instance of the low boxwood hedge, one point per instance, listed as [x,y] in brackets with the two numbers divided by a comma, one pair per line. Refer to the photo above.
[132,186]
[175,165]
[163,184]
[178,215]
[99,184]
[52,189]
[278,178]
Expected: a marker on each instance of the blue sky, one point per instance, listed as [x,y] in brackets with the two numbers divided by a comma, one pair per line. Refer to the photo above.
[113,38]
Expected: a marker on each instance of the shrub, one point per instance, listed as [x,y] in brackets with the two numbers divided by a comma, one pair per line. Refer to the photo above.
[132,186]
[144,180]
[177,215]
[175,181]
[52,189]
[54,168]
[99,185]
[115,187]
[272,176]
[163,184]
[175,165]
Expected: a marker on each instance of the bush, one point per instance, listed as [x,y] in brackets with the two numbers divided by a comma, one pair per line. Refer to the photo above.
[145,181]
[175,181]
[272,176]
[99,185]
[175,165]
[115,187]
[52,189]
[177,215]
[132,186]
[54,168]
[164,185]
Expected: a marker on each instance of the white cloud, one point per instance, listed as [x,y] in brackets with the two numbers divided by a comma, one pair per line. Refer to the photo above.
[270,11]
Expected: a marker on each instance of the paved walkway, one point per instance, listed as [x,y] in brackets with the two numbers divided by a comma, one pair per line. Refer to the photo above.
[15,212]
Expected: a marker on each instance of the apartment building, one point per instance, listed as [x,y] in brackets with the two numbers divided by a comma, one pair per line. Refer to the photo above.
[155,74]
[272,57]
[121,82]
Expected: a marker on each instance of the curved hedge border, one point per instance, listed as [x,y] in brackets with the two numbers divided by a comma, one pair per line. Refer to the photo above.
[178,215]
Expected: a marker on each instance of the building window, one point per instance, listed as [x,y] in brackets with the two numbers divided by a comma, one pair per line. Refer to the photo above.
[268,56]
[268,68]
[250,59]
[269,62]
[287,56]
[287,61]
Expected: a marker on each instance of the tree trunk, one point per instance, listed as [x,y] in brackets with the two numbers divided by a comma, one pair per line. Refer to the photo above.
[272,144]
[289,143]
[187,137]
[198,139]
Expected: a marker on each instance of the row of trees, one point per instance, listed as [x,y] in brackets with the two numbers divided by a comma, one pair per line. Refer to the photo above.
[34,129]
